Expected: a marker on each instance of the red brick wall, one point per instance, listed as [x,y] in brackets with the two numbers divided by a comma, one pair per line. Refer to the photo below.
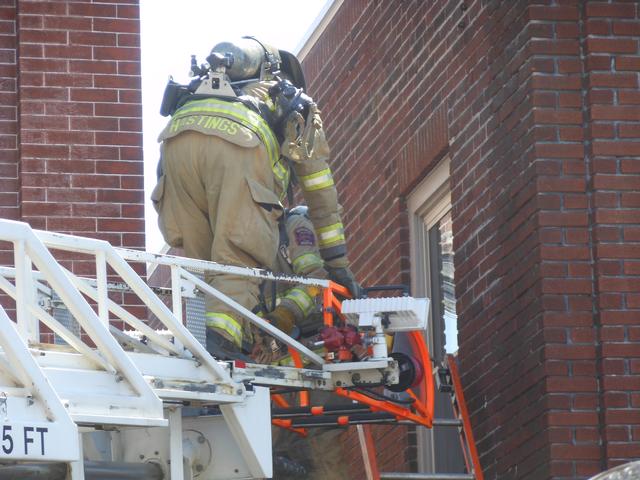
[8,113]
[8,129]
[72,129]
[71,124]
[537,105]
[612,114]
[79,118]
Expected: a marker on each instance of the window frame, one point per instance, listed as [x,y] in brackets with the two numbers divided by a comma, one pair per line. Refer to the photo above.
[427,204]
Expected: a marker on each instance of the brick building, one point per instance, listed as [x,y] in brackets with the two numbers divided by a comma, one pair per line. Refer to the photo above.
[513,127]
[502,134]
[71,123]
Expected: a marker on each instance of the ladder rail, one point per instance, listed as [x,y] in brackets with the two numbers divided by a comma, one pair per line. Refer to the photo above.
[116,258]
[112,361]
[36,387]
[201,265]
[36,252]
[460,409]
[82,384]
[255,320]
[137,400]
[125,316]
[463,424]
[59,329]
[92,246]
[26,370]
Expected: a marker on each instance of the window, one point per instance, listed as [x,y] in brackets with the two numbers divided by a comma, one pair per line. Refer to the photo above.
[442,286]
[433,276]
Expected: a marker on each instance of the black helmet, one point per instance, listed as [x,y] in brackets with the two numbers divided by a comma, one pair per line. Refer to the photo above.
[291,66]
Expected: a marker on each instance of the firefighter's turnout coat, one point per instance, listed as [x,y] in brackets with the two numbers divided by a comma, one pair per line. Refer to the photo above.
[222,177]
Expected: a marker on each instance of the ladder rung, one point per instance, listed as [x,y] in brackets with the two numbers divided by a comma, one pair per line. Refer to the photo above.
[332,420]
[425,476]
[446,422]
[327,409]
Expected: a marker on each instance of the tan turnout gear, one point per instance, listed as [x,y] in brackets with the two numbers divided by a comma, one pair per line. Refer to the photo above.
[303,258]
[218,199]
[305,145]
[222,178]
[320,453]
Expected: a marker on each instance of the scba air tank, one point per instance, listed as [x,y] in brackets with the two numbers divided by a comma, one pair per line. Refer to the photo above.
[248,56]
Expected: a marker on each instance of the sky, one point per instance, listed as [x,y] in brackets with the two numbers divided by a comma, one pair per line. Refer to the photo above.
[172,31]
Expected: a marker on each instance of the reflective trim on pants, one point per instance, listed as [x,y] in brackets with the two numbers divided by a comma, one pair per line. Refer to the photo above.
[306,262]
[302,299]
[226,323]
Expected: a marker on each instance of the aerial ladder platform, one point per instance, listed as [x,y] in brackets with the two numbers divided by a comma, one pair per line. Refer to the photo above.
[148,401]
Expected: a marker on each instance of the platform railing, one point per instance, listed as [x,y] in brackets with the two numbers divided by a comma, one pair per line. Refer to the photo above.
[30,252]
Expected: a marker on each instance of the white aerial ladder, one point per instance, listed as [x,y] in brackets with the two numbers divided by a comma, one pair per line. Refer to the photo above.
[156,405]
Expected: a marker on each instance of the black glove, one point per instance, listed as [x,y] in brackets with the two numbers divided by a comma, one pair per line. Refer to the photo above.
[344,277]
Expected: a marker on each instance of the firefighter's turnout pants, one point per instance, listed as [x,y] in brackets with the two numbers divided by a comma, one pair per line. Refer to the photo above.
[218,198]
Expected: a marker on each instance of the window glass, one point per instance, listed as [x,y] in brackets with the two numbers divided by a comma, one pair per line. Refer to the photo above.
[439,253]
[447,283]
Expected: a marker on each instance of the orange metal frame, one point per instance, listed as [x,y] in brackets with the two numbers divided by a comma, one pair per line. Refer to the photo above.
[331,304]
[423,405]
[420,412]
[286,424]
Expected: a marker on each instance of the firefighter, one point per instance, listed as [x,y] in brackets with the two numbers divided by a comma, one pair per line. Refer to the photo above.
[224,170]
[292,308]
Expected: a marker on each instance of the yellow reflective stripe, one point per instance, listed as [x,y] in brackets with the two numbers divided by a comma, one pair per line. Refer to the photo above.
[283,175]
[249,119]
[331,234]
[306,263]
[301,298]
[317,181]
[236,112]
[225,322]
[235,109]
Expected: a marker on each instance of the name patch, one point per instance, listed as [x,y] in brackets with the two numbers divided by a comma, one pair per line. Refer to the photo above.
[205,122]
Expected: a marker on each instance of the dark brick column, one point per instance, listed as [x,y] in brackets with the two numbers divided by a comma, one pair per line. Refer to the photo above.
[612,104]
[8,113]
